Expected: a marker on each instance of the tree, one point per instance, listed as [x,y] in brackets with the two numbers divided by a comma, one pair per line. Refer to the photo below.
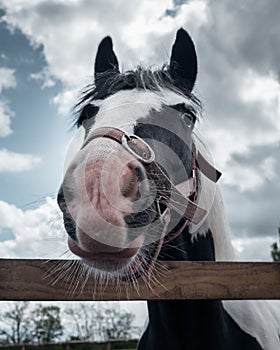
[275,249]
[46,324]
[93,321]
[83,319]
[14,324]
[117,324]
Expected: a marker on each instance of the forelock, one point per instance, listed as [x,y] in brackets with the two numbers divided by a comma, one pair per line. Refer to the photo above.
[110,82]
[125,85]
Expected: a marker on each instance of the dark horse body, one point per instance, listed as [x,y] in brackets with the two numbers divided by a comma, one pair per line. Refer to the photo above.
[116,214]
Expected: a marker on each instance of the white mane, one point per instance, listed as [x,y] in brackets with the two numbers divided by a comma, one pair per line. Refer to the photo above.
[259,318]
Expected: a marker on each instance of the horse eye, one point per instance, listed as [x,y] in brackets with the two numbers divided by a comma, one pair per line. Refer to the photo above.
[85,123]
[187,114]
[188,119]
[88,112]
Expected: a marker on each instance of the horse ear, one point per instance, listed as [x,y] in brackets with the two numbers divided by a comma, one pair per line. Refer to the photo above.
[106,59]
[183,61]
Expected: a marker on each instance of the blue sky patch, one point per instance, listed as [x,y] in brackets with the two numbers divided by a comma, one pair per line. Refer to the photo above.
[37,128]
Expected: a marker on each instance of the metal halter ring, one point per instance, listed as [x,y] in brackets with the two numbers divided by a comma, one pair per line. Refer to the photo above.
[138,148]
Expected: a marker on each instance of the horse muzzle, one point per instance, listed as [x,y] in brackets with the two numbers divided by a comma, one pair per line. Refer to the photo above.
[103,189]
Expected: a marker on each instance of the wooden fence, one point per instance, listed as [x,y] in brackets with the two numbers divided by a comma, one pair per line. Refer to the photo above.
[39,280]
[120,344]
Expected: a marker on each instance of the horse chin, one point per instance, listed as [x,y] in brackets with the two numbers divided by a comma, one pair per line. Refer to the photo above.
[110,267]
[115,263]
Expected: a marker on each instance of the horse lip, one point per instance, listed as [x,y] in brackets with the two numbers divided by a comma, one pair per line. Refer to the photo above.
[125,253]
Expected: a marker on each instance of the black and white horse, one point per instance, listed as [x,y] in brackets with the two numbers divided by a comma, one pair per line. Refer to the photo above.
[140,190]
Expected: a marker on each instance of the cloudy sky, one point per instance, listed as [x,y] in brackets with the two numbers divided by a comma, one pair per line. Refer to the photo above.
[46,57]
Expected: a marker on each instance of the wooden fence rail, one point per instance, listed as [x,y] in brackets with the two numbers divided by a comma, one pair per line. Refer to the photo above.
[41,280]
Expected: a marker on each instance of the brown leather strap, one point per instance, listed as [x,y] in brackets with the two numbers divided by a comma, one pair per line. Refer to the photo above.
[109,132]
[167,193]
[206,168]
[171,197]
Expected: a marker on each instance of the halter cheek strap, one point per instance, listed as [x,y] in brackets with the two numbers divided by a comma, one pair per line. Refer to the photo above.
[174,197]
[188,187]
[206,168]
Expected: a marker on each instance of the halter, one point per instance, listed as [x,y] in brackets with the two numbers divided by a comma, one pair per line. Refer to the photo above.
[167,193]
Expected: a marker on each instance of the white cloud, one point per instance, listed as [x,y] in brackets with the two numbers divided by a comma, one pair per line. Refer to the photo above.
[11,162]
[37,231]
[261,87]
[252,176]
[239,88]
[70,32]
[254,248]
[252,200]
[237,81]
[7,80]
[3,57]
[5,119]
[40,233]
[65,100]
[45,77]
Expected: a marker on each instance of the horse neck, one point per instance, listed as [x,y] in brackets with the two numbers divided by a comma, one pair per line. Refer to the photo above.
[185,320]
[178,324]
[193,324]
[189,247]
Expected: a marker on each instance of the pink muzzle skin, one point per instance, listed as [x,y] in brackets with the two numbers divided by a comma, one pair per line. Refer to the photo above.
[167,193]
[180,198]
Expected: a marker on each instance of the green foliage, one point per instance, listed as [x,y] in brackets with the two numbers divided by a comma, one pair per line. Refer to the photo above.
[85,322]
[15,327]
[275,249]
[92,322]
[47,325]
[118,324]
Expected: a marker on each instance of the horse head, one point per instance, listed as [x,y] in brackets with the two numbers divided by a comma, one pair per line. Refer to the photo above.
[133,185]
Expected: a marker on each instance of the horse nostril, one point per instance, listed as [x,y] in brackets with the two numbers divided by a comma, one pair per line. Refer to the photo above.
[128,182]
[140,174]
[130,179]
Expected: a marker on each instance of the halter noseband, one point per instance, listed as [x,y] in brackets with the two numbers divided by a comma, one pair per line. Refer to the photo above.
[167,193]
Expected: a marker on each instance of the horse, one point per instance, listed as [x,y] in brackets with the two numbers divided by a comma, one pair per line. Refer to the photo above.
[141,189]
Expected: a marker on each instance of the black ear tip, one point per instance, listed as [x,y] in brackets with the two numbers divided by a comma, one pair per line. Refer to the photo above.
[182,34]
[105,59]
[106,43]
[183,61]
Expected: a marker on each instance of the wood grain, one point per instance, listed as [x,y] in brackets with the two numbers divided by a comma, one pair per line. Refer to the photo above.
[22,279]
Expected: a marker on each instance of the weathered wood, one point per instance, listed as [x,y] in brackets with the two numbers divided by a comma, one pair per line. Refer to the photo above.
[43,280]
